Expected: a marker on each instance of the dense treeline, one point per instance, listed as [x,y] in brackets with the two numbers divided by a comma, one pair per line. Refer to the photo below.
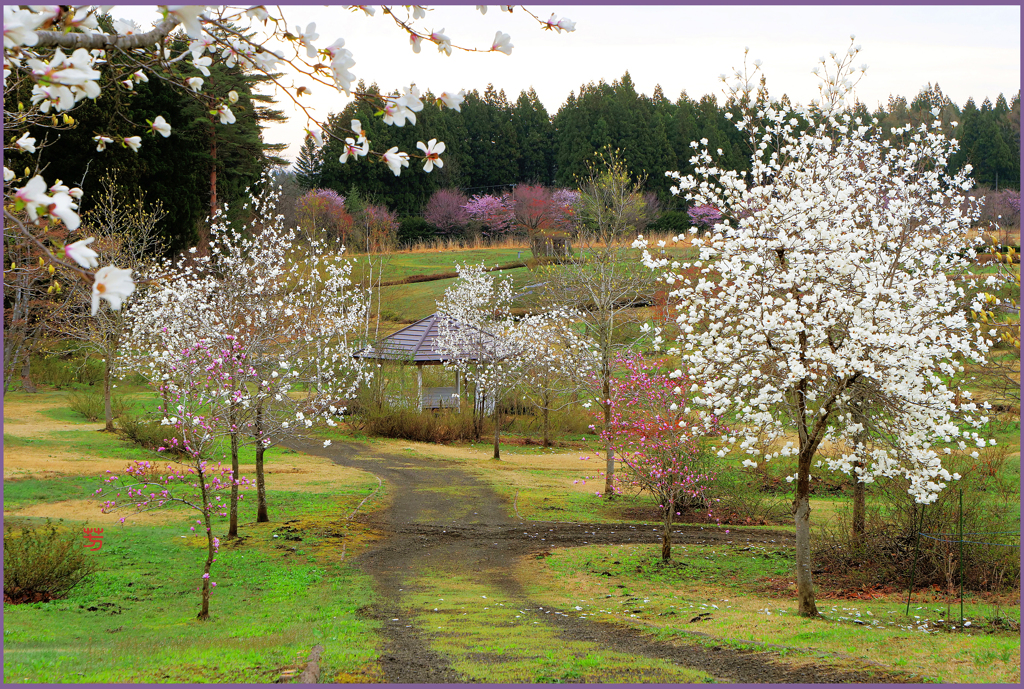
[494,143]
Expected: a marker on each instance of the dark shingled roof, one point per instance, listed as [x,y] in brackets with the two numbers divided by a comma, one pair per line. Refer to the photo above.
[413,344]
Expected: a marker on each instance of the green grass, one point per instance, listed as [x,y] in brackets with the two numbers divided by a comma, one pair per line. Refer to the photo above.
[491,639]
[721,594]
[419,299]
[22,493]
[134,621]
[402,265]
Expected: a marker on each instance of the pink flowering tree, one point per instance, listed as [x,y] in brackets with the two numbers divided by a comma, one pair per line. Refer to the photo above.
[321,213]
[704,217]
[659,440]
[494,214]
[203,390]
[446,210]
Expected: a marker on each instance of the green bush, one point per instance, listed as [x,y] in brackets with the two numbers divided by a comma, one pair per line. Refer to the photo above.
[146,432]
[89,403]
[444,426]
[62,372]
[414,228]
[43,564]
[991,527]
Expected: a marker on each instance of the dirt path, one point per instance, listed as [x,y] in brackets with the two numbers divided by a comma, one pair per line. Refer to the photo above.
[469,531]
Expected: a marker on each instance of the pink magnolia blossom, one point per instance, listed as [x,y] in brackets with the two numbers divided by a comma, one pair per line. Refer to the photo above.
[80,253]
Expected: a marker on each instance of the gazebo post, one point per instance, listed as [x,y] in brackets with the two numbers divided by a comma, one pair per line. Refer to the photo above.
[419,384]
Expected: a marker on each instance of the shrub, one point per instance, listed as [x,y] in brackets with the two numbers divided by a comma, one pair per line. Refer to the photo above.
[671,222]
[89,403]
[146,433]
[441,427]
[413,229]
[991,509]
[63,372]
[43,564]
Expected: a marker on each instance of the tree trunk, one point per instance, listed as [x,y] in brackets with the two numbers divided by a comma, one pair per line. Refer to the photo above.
[233,516]
[666,534]
[26,372]
[859,489]
[497,430]
[609,475]
[261,486]
[204,612]
[547,422]
[108,414]
[802,516]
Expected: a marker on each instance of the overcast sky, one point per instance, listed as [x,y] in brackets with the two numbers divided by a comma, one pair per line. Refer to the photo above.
[970,51]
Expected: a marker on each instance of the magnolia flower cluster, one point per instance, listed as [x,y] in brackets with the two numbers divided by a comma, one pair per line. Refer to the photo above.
[482,341]
[829,276]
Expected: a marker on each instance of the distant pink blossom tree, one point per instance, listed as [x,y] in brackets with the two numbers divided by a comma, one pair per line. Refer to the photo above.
[323,211]
[704,217]
[446,210]
[658,439]
[494,213]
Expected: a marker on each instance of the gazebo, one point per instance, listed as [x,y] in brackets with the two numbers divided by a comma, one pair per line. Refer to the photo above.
[415,344]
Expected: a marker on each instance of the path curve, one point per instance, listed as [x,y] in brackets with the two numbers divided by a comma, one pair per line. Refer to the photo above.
[474,532]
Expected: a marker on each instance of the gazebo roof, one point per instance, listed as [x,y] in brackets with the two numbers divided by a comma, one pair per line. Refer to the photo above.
[413,344]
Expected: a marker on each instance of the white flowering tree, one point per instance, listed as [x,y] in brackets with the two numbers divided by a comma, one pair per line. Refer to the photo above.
[292,317]
[482,341]
[830,274]
[56,56]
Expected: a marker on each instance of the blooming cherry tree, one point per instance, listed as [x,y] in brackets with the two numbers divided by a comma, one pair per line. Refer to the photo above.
[660,441]
[831,275]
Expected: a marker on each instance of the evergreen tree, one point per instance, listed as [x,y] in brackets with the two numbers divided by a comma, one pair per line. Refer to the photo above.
[309,164]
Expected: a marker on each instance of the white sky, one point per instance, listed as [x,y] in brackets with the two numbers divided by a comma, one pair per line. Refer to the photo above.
[970,51]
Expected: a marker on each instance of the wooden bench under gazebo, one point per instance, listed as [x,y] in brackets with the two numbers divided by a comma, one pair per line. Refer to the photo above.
[415,344]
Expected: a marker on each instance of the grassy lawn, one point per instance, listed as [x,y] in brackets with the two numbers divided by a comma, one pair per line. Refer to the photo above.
[738,595]
[281,588]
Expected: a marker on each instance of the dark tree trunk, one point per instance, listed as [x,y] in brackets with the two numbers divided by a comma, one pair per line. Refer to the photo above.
[802,517]
[233,516]
[666,533]
[26,372]
[859,489]
[609,475]
[204,612]
[261,486]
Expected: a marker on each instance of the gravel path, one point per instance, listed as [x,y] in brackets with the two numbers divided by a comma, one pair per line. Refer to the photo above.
[472,531]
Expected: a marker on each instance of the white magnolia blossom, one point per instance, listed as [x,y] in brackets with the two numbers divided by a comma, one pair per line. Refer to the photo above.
[432,151]
[160,126]
[502,43]
[113,284]
[396,160]
[839,251]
